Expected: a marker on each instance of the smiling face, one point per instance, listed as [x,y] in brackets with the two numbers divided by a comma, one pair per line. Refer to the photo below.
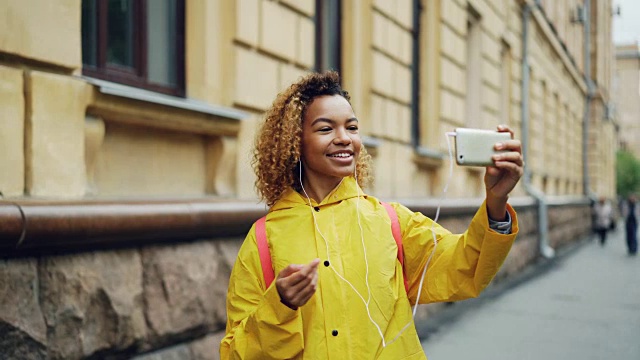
[330,140]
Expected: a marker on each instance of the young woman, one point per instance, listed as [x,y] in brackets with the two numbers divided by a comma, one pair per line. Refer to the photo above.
[340,290]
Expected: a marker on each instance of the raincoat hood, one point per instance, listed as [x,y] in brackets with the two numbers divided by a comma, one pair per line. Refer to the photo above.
[346,189]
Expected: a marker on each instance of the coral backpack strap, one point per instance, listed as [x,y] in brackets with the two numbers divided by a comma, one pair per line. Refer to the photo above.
[397,235]
[263,250]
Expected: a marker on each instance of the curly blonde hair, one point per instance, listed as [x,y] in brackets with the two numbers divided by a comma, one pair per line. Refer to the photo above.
[278,143]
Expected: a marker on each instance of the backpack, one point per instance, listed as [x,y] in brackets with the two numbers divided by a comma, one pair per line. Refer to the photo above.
[265,253]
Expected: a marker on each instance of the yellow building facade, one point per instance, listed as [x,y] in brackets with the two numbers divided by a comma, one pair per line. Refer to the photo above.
[69,135]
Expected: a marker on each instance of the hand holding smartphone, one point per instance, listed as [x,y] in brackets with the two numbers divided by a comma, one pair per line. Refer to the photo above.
[475,147]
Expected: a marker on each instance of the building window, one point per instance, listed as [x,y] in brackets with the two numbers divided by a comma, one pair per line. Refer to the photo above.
[474,70]
[505,75]
[415,74]
[543,153]
[328,35]
[135,42]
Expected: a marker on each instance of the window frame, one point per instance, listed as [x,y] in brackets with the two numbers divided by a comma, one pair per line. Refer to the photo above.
[473,97]
[137,76]
[415,73]
[328,21]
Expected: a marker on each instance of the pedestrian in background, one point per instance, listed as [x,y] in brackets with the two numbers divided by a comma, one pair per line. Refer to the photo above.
[603,218]
[631,214]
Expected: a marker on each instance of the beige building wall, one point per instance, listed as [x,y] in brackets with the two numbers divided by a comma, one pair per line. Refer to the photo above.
[68,136]
[479,85]
[99,139]
[12,179]
[564,16]
[555,104]
[389,100]
[563,108]
[603,134]
[273,46]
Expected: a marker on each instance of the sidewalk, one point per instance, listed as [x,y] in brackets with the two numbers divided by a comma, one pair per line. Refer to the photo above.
[584,305]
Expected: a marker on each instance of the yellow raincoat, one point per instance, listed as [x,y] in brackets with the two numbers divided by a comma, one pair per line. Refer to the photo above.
[334,323]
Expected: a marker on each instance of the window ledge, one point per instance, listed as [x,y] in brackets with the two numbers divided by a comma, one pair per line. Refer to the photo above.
[129,92]
[371,144]
[427,158]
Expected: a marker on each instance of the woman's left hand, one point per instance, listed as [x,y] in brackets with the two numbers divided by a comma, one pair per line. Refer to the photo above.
[502,177]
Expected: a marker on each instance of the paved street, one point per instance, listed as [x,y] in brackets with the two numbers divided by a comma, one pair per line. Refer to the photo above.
[586,305]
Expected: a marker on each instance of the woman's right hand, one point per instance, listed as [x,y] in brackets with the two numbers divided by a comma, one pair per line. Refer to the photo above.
[297,283]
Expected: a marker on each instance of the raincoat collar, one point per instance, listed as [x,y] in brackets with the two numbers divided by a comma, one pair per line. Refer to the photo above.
[346,189]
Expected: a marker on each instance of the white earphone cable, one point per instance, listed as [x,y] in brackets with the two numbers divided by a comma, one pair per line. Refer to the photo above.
[366,302]
[435,240]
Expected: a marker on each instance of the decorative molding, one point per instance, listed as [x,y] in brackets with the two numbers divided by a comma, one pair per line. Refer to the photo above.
[427,158]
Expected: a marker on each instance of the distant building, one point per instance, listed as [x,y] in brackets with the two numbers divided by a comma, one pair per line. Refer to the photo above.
[627,93]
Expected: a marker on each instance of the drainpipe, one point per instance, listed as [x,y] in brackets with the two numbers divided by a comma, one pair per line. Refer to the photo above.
[543,225]
[415,78]
[586,183]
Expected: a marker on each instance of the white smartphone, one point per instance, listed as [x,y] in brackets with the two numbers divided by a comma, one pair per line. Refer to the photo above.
[475,147]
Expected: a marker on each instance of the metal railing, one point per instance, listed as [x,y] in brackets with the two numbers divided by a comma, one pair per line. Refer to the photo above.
[29,226]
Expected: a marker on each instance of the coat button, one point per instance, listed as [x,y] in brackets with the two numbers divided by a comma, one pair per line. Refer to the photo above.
[334,333]
[326,263]
[317,208]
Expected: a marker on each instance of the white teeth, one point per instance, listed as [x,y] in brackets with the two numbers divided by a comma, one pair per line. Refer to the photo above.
[341,155]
